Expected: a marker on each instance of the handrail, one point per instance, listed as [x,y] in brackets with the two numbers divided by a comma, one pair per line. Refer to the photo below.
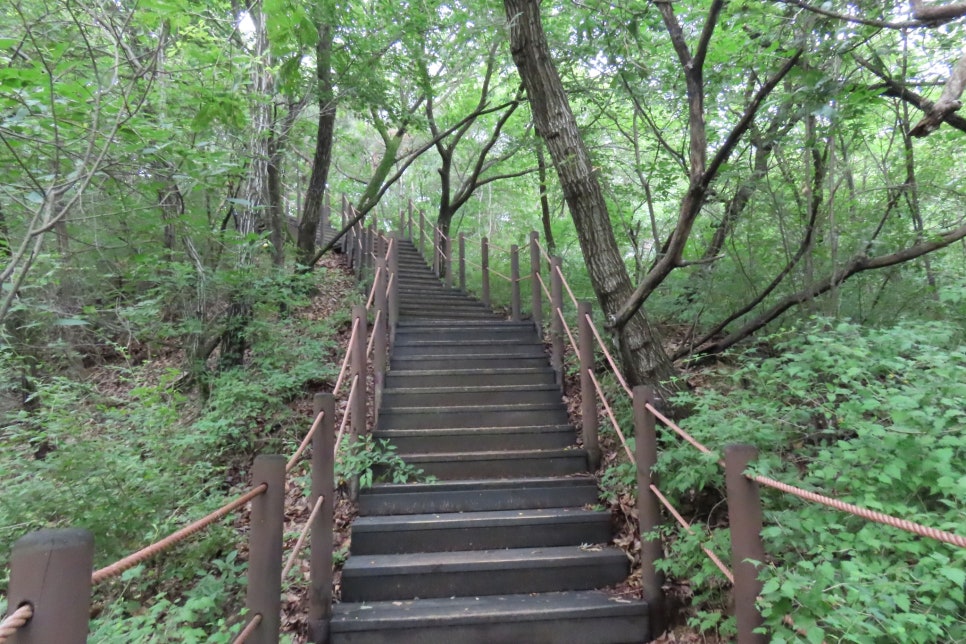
[301,540]
[15,621]
[118,567]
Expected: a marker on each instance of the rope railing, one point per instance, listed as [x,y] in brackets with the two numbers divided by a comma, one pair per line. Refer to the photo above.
[300,543]
[345,360]
[563,320]
[118,567]
[687,526]
[610,358]
[250,627]
[372,291]
[345,416]
[305,442]
[613,419]
[566,284]
[372,337]
[543,285]
[15,621]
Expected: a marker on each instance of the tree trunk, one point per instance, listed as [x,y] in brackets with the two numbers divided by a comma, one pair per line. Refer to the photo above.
[545,202]
[644,358]
[311,215]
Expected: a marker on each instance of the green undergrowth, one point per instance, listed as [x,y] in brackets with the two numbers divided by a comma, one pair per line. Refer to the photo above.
[874,417]
[134,461]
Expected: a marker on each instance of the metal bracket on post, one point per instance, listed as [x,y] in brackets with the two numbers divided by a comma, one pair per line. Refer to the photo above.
[649,509]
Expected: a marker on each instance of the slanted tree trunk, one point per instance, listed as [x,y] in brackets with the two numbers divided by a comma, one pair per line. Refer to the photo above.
[644,358]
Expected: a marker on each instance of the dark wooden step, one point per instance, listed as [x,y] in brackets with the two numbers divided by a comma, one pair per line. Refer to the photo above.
[469,377]
[467,361]
[468,495]
[447,466]
[481,572]
[430,417]
[479,530]
[476,439]
[574,617]
[470,346]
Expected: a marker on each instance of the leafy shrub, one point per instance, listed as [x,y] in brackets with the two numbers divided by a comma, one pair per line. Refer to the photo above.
[874,417]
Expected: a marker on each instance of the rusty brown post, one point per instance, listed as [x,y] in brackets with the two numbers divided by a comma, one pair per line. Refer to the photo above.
[393,291]
[649,509]
[264,595]
[744,510]
[515,283]
[462,253]
[536,296]
[321,546]
[485,278]
[448,260]
[357,412]
[379,331]
[588,406]
[409,220]
[437,266]
[556,322]
[422,234]
[51,571]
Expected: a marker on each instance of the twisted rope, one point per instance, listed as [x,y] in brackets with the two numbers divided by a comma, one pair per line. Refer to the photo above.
[566,284]
[687,526]
[613,420]
[372,338]
[610,359]
[372,291]
[345,361]
[543,285]
[305,442]
[174,538]
[301,540]
[248,630]
[566,327]
[865,513]
[15,621]
[345,416]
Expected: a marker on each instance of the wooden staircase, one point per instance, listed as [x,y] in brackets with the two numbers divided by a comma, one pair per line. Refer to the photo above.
[502,548]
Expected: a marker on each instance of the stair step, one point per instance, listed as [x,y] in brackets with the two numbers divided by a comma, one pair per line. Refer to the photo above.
[470,377]
[481,495]
[575,617]
[465,439]
[470,347]
[481,572]
[496,464]
[429,417]
[507,331]
[471,361]
[479,530]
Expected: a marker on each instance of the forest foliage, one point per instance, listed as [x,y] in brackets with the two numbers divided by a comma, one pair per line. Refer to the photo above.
[797,245]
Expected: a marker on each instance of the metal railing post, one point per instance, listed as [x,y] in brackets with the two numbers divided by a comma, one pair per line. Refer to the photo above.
[515,283]
[51,571]
[588,392]
[321,543]
[556,322]
[536,299]
[462,261]
[485,270]
[264,595]
[649,509]
[744,511]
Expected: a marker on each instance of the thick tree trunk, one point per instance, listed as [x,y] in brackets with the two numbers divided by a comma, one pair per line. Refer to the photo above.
[545,202]
[644,358]
[311,215]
